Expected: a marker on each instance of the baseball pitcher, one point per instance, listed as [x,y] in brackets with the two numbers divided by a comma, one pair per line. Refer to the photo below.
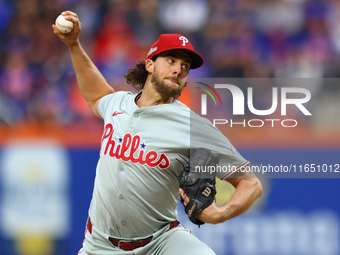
[150,147]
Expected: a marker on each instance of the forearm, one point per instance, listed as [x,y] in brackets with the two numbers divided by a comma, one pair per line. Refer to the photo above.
[246,192]
[91,82]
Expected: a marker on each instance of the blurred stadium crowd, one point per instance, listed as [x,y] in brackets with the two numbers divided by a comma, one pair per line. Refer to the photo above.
[237,38]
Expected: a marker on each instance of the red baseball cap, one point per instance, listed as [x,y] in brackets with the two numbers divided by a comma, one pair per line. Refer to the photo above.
[176,42]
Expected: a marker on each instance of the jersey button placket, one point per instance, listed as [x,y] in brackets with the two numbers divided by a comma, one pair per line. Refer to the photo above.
[120,197]
[135,116]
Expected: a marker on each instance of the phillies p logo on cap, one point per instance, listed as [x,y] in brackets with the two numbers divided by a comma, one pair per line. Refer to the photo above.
[184,39]
[176,42]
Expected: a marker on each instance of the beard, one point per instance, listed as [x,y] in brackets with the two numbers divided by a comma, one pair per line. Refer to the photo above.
[163,89]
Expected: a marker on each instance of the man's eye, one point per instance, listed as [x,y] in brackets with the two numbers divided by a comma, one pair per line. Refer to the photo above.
[185,67]
[171,60]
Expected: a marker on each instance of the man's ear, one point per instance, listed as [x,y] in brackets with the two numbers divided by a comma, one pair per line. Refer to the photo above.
[149,65]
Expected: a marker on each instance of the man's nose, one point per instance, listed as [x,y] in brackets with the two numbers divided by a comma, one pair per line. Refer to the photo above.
[176,69]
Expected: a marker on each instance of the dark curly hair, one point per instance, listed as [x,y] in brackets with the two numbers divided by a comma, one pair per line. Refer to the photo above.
[136,76]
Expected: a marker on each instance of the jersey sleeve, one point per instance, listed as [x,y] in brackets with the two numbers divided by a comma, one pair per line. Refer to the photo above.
[104,103]
[118,101]
[205,135]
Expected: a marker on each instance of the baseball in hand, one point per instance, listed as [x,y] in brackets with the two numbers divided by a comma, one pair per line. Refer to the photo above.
[63,25]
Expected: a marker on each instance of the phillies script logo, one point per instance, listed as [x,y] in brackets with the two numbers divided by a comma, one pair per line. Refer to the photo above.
[130,148]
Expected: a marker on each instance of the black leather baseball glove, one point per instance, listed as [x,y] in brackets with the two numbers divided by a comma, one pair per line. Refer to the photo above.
[198,183]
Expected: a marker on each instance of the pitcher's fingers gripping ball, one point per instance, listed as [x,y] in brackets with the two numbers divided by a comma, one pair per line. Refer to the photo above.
[199,187]
[64,26]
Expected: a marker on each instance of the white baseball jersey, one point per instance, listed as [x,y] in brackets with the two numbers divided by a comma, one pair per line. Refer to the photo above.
[136,187]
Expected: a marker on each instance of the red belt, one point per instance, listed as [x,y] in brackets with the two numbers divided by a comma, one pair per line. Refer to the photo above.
[128,245]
